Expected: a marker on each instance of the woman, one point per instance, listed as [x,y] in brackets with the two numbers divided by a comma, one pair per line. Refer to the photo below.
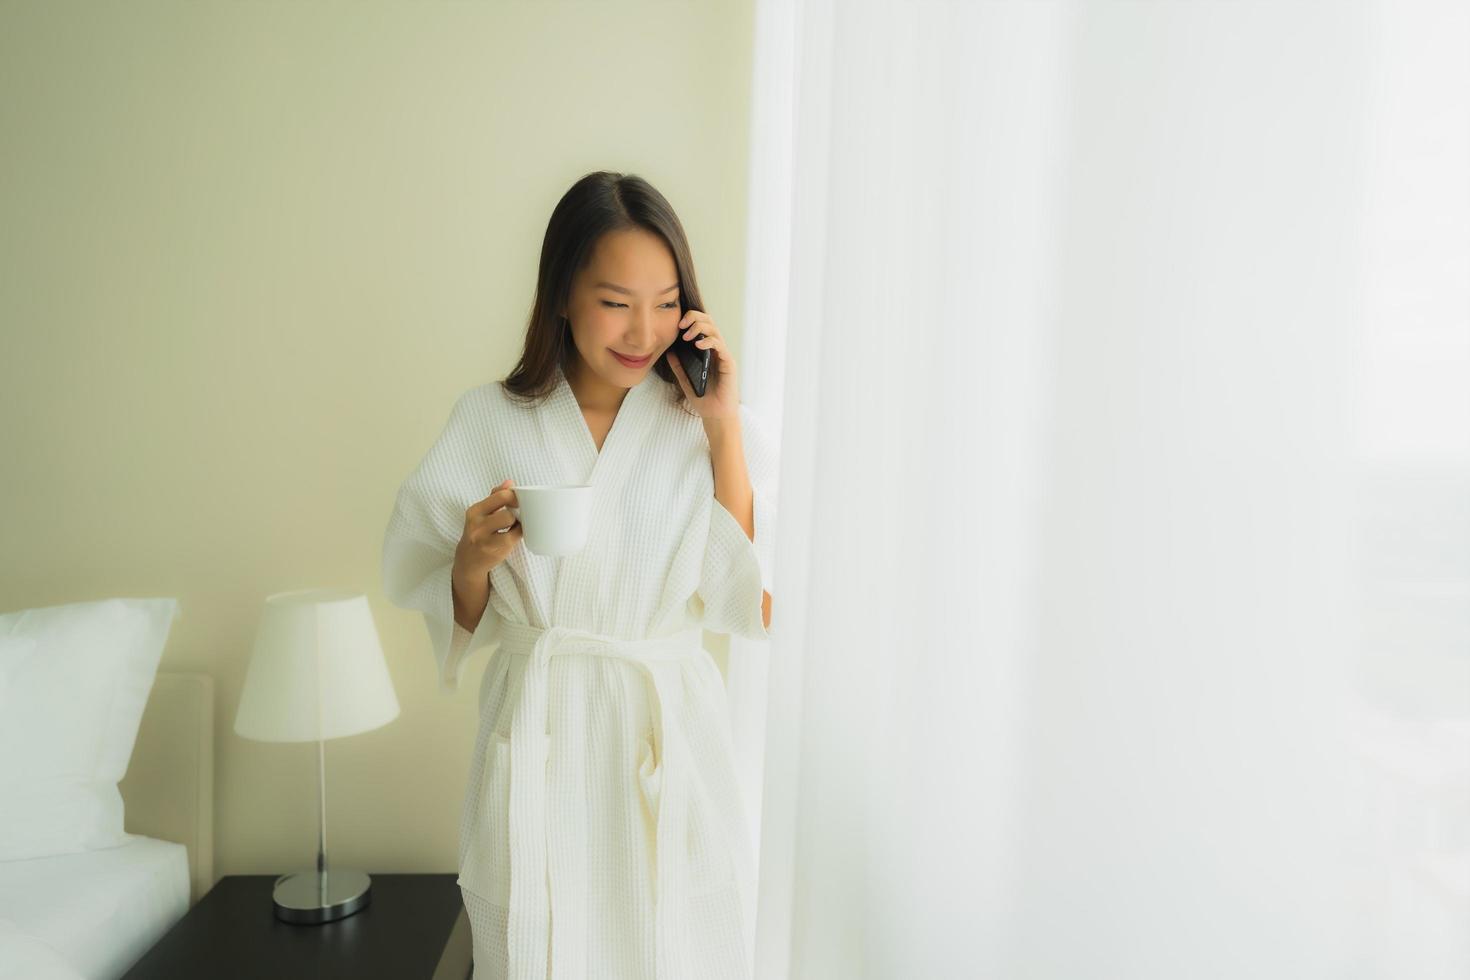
[602,834]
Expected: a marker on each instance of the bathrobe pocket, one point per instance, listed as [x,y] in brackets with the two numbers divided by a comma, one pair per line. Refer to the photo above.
[485,866]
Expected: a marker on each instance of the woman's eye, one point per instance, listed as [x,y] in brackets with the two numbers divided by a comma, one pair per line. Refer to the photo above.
[672,304]
[607,302]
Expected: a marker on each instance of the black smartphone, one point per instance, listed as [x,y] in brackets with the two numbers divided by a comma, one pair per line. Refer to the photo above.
[694,359]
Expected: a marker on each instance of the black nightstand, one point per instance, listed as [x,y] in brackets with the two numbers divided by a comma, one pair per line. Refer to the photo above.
[414,929]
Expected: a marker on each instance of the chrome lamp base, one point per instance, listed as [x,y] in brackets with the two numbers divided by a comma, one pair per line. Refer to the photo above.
[321,896]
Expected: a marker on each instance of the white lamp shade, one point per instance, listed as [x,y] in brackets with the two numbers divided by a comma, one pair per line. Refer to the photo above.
[316,671]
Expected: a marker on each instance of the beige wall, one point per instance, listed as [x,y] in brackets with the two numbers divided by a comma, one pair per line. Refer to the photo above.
[252,252]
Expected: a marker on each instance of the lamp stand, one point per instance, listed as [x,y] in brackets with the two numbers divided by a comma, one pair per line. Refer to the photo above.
[321,896]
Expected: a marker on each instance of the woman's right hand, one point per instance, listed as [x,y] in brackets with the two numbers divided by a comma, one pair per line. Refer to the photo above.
[491,532]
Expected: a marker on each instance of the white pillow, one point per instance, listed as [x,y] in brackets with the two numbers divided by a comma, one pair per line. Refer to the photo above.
[74,680]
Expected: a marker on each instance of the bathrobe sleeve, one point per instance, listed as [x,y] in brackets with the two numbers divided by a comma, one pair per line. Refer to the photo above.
[418,547]
[736,569]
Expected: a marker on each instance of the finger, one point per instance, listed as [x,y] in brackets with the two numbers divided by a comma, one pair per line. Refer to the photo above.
[695,318]
[680,375]
[501,517]
[503,484]
[721,362]
[491,530]
[505,517]
[494,503]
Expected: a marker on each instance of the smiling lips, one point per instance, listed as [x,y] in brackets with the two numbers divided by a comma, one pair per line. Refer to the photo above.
[632,361]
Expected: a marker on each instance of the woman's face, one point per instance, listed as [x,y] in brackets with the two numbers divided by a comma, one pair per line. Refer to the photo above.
[626,301]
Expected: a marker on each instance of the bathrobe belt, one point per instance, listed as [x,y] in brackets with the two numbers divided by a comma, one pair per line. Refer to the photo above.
[530,899]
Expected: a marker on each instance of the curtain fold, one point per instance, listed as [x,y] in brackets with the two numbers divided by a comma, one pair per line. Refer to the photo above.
[1118,355]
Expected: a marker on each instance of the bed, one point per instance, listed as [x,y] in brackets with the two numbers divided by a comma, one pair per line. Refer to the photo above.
[91,915]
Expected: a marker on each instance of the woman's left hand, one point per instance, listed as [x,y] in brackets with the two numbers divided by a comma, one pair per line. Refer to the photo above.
[721,395]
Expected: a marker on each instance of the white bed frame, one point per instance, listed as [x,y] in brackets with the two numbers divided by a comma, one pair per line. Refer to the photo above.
[168,791]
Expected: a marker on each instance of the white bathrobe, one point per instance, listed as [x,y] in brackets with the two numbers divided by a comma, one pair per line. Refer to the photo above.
[602,834]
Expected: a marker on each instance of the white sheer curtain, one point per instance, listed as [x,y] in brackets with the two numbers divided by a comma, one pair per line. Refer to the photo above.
[1120,354]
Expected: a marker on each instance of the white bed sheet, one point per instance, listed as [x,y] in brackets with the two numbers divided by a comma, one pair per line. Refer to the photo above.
[99,910]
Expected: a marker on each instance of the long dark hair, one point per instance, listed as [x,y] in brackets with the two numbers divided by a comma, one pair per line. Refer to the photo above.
[596,204]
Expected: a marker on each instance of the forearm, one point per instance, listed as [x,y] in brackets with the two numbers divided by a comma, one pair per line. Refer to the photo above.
[732,482]
[470,599]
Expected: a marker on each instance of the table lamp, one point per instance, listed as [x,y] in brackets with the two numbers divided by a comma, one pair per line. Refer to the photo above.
[316,672]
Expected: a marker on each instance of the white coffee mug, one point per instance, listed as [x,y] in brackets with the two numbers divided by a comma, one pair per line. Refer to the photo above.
[554,517]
